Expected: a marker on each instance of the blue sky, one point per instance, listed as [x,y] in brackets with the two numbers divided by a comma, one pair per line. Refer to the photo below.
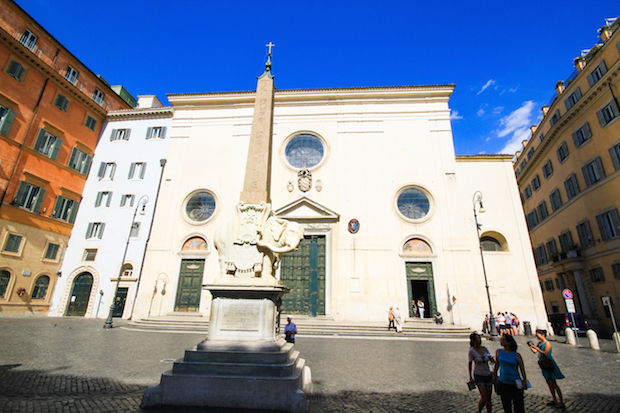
[504,57]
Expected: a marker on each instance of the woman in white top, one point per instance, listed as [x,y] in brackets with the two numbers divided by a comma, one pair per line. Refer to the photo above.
[480,357]
[398,319]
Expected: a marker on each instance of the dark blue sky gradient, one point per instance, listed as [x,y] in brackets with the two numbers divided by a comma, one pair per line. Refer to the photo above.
[159,47]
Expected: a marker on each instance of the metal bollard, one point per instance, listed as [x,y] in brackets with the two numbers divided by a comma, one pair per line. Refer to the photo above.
[570,336]
[593,339]
[616,337]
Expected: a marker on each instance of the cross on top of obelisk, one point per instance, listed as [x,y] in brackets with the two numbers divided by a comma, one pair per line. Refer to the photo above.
[268,64]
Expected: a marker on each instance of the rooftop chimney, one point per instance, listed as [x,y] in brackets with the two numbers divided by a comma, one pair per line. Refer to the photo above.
[580,63]
[559,87]
[518,153]
[545,109]
[604,33]
[533,129]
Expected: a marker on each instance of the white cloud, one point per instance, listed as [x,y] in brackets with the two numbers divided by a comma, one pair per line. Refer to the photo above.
[516,126]
[489,83]
[514,89]
[497,110]
[480,112]
[454,115]
[487,139]
[482,153]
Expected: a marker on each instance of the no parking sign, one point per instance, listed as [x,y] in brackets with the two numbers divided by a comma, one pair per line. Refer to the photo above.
[567,294]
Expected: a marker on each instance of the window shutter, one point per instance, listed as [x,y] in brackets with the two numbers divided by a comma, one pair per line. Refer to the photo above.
[87,162]
[149,131]
[127,134]
[586,175]
[143,170]
[56,149]
[89,230]
[72,160]
[56,206]
[603,67]
[577,94]
[613,154]
[601,119]
[132,169]
[101,228]
[587,132]
[73,213]
[599,166]
[590,80]
[113,170]
[163,132]
[618,46]
[21,193]
[601,227]
[576,139]
[567,103]
[40,198]
[113,135]
[614,107]
[615,219]
[98,200]
[39,142]
[7,122]
[109,199]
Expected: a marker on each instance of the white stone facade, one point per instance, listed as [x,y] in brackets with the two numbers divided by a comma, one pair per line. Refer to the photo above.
[376,142]
[124,142]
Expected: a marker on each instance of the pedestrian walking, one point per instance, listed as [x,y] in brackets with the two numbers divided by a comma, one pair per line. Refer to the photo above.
[391,319]
[480,356]
[414,309]
[548,367]
[499,320]
[515,324]
[509,384]
[290,330]
[398,320]
[421,308]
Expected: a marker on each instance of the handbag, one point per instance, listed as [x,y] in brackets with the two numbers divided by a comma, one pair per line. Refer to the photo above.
[545,364]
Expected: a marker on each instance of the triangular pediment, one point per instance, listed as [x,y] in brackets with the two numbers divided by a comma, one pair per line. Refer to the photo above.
[306,210]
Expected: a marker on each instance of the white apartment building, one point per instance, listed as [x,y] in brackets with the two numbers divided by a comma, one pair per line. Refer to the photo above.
[124,180]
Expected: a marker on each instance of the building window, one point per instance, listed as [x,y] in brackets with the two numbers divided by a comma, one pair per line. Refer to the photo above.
[40,287]
[6,120]
[61,102]
[413,203]
[556,199]
[51,253]
[572,186]
[5,277]
[490,244]
[103,198]
[71,75]
[91,123]
[16,70]
[530,153]
[95,230]
[572,99]
[98,96]
[541,137]
[560,283]
[135,230]
[562,152]
[547,169]
[540,256]
[80,161]
[200,206]
[552,248]
[609,224]
[13,243]
[608,113]
[29,197]
[582,135]
[522,164]
[106,170]
[555,118]
[304,151]
[48,144]
[528,192]
[127,200]
[593,171]
[532,219]
[598,72]
[120,134]
[89,254]
[543,212]
[566,241]
[584,231]
[137,170]
[156,132]
[536,183]
[65,209]
[127,270]
[549,285]
[28,39]
[614,153]
[596,275]
[615,269]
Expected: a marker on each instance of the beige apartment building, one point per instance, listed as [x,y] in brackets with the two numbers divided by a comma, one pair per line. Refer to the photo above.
[569,178]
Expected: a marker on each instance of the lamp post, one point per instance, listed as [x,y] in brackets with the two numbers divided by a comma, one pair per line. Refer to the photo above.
[141,202]
[478,207]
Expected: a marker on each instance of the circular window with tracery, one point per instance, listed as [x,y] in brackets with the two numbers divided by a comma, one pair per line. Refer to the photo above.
[304,151]
[200,206]
[413,203]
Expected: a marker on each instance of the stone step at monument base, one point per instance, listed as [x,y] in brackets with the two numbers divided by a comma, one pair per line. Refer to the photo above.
[323,326]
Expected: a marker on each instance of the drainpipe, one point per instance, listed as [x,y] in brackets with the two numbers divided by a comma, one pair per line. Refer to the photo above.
[21,145]
[162,163]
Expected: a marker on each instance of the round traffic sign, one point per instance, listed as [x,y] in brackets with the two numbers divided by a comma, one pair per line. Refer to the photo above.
[568,294]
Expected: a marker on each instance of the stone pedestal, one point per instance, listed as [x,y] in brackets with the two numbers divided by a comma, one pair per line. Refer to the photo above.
[241,364]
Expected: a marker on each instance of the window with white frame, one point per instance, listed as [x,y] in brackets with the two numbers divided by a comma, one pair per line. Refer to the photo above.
[608,113]
[16,70]
[28,39]
[71,74]
[95,230]
[29,197]
[104,199]
[156,132]
[106,170]
[609,224]
[593,171]
[120,134]
[137,170]
[98,96]
[65,209]
[80,161]
[127,200]
[48,144]
[6,119]
[135,230]
[13,243]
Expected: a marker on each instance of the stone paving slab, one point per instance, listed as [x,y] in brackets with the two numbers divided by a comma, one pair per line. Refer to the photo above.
[73,365]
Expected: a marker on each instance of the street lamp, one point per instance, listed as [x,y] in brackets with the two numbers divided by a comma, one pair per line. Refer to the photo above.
[142,202]
[478,207]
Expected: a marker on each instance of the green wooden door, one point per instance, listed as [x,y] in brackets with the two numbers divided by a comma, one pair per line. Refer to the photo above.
[119,302]
[303,271]
[421,284]
[80,294]
[190,285]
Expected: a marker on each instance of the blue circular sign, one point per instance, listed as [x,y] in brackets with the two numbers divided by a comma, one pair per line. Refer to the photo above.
[568,294]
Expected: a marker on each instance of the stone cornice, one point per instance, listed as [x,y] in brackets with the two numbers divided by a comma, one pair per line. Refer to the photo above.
[484,157]
[140,113]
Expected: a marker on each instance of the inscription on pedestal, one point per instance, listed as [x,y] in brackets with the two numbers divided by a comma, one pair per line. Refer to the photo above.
[240,315]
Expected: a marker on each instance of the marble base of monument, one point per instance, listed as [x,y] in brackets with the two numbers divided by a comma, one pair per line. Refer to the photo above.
[241,364]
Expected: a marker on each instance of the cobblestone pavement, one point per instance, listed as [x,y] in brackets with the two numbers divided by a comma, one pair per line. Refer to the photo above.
[73,365]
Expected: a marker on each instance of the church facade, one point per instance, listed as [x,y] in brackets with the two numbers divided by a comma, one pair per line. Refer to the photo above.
[386,206]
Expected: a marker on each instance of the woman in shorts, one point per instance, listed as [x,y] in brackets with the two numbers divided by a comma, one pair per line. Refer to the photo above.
[482,376]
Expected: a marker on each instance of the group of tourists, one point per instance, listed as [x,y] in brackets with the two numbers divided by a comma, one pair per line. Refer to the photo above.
[395,319]
[418,308]
[506,323]
[508,376]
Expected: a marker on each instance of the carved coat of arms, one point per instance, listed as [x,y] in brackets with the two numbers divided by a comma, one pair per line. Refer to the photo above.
[304,180]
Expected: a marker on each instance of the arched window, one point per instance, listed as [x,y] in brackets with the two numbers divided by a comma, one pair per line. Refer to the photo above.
[127,270]
[493,241]
[40,287]
[417,246]
[195,244]
[5,277]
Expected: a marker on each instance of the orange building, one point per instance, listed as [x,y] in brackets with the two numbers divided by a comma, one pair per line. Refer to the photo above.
[52,108]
